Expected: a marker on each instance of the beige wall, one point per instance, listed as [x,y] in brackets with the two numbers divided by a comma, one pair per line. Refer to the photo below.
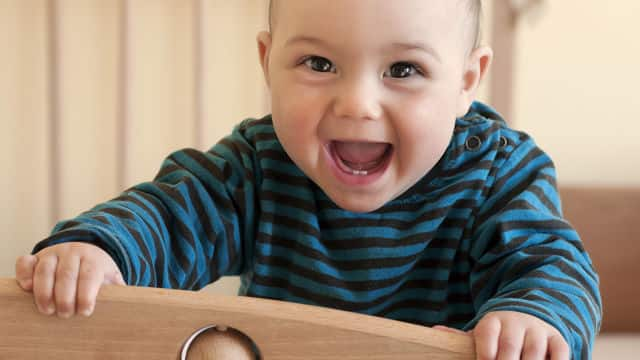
[574,92]
[156,50]
[577,89]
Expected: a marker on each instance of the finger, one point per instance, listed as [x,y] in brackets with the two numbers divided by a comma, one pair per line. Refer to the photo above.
[486,335]
[25,266]
[511,341]
[535,345]
[559,348]
[449,329]
[43,280]
[66,285]
[89,281]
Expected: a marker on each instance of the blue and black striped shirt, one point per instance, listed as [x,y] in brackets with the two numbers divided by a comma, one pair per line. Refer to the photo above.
[482,231]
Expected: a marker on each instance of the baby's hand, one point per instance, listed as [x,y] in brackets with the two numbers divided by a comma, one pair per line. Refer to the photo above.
[65,278]
[514,335]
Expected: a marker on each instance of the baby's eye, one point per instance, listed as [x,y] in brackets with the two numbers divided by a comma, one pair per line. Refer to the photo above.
[402,70]
[319,64]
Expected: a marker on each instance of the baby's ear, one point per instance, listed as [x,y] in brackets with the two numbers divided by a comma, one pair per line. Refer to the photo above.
[475,69]
[264,50]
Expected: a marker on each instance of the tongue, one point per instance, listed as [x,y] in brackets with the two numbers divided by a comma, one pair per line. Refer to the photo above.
[360,153]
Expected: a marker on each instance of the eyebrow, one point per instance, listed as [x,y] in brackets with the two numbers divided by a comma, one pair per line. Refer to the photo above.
[411,46]
[419,47]
[304,38]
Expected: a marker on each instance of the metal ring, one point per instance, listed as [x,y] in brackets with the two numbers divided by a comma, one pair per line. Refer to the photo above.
[187,344]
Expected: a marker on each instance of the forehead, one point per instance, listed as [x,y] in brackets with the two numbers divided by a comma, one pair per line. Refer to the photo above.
[432,21]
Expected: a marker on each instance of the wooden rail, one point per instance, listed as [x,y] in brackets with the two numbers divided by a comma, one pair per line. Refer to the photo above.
[149,323]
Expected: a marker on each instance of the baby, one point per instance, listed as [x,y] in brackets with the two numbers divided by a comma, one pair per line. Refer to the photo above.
[377,185]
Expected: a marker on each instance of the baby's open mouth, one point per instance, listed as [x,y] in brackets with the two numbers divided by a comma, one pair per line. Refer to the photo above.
[361,158]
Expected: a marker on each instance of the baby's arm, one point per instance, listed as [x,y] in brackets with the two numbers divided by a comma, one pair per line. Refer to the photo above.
[183,230]
[529,260]
[65,278]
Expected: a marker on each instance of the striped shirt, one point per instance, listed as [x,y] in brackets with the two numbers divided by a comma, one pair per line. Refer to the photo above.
[482,231]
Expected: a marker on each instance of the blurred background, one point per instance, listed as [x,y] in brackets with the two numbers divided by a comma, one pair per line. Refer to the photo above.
[95,93]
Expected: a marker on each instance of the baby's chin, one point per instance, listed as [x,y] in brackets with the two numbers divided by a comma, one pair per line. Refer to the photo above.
[360,203]
[366,200]
[359,207]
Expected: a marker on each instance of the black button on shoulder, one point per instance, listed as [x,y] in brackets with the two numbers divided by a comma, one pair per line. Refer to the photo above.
[503,142]
[473,143]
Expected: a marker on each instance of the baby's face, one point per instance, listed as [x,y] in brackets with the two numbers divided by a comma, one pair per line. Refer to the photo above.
[365,93]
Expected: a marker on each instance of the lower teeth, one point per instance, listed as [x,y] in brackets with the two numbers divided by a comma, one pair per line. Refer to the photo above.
[359,172]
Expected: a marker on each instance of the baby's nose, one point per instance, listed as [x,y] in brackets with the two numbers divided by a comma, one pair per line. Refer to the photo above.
[357,99]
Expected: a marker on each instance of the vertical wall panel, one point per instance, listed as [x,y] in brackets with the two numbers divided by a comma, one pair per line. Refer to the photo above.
[53,104]
[161,83]
[233,86]
[232,82]
[88,76]
[24,199]
[122,121]
[199,40]
[504,29]
[486,39]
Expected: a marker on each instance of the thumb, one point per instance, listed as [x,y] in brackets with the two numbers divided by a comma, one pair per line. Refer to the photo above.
[25,266]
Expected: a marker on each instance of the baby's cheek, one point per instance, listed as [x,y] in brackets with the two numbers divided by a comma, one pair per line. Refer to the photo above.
[420,151]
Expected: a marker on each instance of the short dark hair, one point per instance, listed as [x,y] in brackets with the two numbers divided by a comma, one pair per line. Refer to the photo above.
[475,9]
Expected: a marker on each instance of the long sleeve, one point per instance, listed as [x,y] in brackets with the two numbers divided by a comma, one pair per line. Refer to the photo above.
[528,258]
[186,228]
